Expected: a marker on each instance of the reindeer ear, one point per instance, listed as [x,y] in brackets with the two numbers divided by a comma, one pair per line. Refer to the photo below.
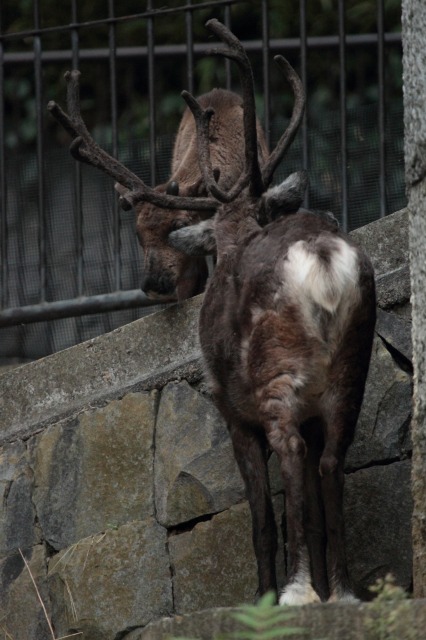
[195,240]
[197,188]
[284,198]
[194,190]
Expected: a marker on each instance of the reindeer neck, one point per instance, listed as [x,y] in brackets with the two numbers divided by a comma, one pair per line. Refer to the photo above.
[235,223]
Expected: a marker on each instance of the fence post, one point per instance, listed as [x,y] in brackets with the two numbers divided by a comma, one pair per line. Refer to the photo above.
[414,66]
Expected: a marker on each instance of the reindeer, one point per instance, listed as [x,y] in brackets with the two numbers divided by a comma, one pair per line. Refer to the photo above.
[169,274]
[286,329]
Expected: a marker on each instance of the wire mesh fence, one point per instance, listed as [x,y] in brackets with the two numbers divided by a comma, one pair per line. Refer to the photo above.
[67,253]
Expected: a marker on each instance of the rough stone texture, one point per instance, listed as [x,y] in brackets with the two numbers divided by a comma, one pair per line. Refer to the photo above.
[95,471]
[17,514]
[213,553]
[334,622]
[382,432]
[213,564]
[395,332]
[378,509]
[112,582]
[21,614]
[386,242]
[414,70]
[195,470]
[137,354]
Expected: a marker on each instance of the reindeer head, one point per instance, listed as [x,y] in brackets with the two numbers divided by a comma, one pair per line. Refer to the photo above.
[168,273]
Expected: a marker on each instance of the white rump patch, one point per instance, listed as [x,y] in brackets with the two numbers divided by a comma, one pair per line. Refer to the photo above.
[324,281]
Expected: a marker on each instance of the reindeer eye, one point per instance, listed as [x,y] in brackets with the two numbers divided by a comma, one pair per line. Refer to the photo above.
[173,188]
[179,224]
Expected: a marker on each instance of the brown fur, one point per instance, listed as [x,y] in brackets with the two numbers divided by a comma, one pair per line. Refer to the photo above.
[169,273]
[282,383]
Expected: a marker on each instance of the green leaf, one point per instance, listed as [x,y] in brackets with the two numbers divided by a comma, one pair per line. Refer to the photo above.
[270,616]
[267,600]
[279,632]
[247,619]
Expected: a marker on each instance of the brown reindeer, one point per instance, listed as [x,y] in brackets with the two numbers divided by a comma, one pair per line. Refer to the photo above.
[286,330]
[170,274]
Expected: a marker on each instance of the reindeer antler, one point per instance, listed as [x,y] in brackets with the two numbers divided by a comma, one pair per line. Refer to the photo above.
[252,175]
[296,117]
[84,149]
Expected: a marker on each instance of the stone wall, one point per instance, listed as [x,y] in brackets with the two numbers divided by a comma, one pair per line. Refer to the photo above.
[118,484]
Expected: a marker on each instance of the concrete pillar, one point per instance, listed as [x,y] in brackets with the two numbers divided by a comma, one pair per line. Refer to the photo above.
[414,70]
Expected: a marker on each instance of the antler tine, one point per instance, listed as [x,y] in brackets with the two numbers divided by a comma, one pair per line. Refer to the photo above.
[84,149]
[295,120]
[237,53]
[251,174]
[202,120]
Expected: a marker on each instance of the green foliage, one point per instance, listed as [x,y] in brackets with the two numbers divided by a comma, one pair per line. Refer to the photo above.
[263,621]
[387,618]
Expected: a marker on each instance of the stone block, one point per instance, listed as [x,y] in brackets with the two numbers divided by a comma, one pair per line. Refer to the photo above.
[385,241]
[21,612]
[378,509]
[110,583]
[195,470]
[95,471]
[18,527]
[404,620]
[382,432]
[214,565]
[396,332]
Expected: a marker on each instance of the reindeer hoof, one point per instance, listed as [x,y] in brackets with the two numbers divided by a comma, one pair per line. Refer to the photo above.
[297,594]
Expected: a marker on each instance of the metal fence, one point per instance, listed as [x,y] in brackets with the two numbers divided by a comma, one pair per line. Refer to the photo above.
[70,264]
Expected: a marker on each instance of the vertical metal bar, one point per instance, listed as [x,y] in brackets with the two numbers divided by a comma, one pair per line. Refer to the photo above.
[189,49]
[3,196]
[343,123]
[381,106]
[265,67]
[75,48]
[228,73]
[113,87]
[304,75]
[151,91]
[40,155]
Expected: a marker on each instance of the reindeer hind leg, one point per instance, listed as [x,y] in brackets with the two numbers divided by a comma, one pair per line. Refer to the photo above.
[314,520]
[250,450]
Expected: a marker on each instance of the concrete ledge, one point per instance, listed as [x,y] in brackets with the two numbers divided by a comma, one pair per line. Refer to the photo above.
[402,619]
[163,346]
[138,355]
